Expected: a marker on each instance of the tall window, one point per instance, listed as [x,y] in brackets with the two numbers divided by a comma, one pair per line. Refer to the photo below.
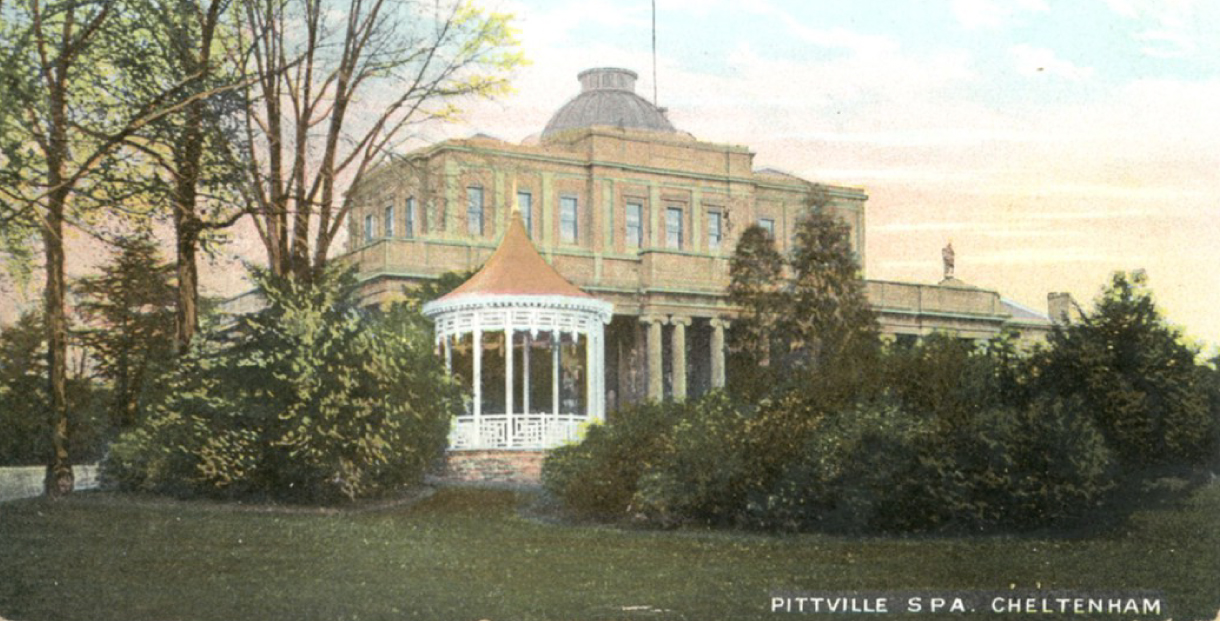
[525,204]
[370,223]
[673,227]
[567,219]
[714,232]
[389,221]
[410,230]
[767,225]
[635,225]
[474,210]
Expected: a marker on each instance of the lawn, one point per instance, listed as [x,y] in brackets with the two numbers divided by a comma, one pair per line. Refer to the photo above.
[470,554]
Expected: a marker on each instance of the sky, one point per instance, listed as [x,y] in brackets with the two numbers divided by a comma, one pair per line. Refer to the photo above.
[1053,143]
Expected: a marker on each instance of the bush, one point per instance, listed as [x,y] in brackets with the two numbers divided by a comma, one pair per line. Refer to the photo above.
[1138,380]
[599,477]
[878,468]
[315,401]
[858,472]
[702,471]
[1043,465]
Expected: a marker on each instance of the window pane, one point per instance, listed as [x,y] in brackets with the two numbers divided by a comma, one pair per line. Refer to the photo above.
[713,229]
[474,210]
[410,230]
[673,227]
[635,228]
[525,203]
[567,219]
[768,225]
[369,222]
[389,221]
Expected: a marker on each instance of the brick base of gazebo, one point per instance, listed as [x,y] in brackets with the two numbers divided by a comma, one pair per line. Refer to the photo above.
[494,466]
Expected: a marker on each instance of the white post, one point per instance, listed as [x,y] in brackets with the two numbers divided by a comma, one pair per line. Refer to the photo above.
[447,345]
[508,383]
[478,383]
[590,380]
[599,390]
[555,344]
[525,374]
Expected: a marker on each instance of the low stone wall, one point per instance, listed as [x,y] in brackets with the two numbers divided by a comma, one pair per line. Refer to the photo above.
[494,466]
[27,481]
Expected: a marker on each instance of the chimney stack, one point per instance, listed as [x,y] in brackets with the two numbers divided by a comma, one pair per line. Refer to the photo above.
[1059,307]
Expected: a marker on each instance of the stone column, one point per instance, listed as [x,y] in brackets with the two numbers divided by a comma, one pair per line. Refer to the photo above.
[678,345]
[656,370]
[718,328]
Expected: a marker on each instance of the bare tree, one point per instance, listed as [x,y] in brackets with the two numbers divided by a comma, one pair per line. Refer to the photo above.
[340,85]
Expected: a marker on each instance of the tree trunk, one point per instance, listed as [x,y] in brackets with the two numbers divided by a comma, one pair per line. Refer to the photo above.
[59,479]
[187,321]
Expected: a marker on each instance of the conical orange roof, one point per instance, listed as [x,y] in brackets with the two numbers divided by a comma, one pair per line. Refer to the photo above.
[516,268]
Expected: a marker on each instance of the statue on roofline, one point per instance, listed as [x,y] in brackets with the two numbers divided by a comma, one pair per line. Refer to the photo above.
[946,254]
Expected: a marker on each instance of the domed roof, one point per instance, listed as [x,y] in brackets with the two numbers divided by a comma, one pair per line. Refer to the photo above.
[607,97]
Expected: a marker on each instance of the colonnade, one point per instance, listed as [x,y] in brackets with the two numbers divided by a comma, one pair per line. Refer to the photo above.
[653,336]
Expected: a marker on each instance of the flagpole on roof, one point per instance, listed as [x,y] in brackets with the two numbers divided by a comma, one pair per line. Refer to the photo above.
[654,52]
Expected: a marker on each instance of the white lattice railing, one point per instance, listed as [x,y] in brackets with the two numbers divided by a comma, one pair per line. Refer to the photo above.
[520,431]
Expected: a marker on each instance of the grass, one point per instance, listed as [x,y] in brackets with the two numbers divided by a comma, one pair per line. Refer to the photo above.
[468,553]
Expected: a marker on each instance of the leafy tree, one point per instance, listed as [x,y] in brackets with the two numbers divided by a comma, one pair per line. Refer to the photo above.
[130,307]
[196,171]
[830,316]
[755,287]
[804,312]
[1132,372]
[24,399]
[64,129]
[314,401]
[315,62]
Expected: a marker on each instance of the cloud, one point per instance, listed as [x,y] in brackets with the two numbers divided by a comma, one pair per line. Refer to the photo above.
[1034,61]
[981,14]
[837,38]
[1172,28]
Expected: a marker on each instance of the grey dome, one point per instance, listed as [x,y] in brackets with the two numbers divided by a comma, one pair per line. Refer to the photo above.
[607,97]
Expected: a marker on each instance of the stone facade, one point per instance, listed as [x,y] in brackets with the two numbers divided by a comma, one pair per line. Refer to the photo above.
[636,213]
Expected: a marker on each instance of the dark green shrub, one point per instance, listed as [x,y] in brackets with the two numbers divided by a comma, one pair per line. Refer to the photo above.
[859,472]
[1137,379]
[599,476]
[1045,465]
[313,401]
[702,472]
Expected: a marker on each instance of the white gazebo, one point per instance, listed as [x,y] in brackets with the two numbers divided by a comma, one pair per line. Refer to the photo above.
[530,346]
